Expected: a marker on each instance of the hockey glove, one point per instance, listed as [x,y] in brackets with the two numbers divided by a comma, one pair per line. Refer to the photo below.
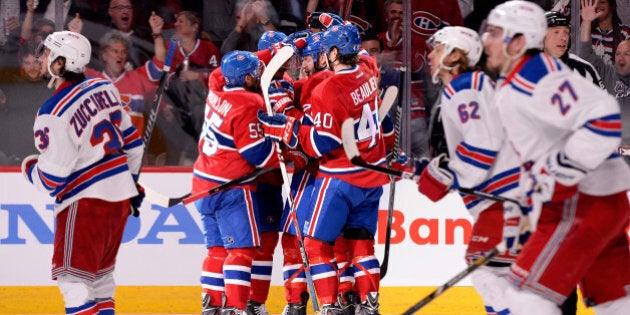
[516,228]
[299,159]
[556,177]
[436,179]
[281,95]
[297,40]
[136,201]
[27,166]
[280,128]
[329,20]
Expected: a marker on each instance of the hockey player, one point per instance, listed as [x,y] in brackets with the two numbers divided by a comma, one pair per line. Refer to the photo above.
[566,132]
[478,156]
[269,196]
[89,158]
[226,152]
[557,43]
[345,198]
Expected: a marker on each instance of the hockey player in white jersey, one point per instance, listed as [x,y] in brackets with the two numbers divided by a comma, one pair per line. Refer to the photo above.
[89,154]
[566,131]
[478,156]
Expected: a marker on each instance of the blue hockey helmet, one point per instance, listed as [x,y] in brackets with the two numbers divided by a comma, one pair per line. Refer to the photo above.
[312,45]
[269,38]
[345,37]
[236,64]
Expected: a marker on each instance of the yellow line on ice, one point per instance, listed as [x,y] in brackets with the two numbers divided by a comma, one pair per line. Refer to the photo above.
[187,300]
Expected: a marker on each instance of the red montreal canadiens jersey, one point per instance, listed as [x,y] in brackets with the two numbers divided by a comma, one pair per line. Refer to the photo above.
[349,94]
[136,87]
[88,146]
[232,143]
[204,54]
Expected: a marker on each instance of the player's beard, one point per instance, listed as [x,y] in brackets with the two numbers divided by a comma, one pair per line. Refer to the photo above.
[254,87]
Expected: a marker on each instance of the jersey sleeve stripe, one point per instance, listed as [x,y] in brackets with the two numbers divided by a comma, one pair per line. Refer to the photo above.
[608,126]
[477,157]
[79,180]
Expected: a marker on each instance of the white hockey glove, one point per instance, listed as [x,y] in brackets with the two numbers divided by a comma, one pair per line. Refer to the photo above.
[436,179]
[556,177]
[27,166]
[516,228]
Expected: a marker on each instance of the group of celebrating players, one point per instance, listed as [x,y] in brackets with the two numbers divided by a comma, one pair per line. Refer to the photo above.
[541,135]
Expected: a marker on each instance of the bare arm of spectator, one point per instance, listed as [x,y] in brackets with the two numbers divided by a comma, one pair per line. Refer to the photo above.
[242,21]
[76,24]
[585,48]
[27,24]
[260,11]
[311,6]
[157,23]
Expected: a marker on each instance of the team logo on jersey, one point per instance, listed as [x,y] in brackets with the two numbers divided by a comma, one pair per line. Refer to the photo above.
[425,23]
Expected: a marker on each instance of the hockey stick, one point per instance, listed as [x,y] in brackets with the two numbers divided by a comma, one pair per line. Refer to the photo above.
[352,152]
[278,60]
[151,194]
[392,180]
[463,274]
[387,102]
[234,182]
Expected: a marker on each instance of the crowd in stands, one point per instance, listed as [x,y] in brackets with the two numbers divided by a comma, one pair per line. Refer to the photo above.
[130,39]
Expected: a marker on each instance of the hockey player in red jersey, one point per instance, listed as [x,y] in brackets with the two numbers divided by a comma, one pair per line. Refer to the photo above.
[478,156]
[89,158]
[345,198]
[566,132]
[231,145]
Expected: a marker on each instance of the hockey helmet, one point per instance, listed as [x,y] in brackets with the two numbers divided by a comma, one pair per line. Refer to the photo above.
[345,37]
[236,64]
[520,17]
[312,45]
[458,37]
[555,18]
[269,38]
[74,47]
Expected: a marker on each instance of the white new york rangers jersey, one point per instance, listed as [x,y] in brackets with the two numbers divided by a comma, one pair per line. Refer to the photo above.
[544,106]
[479,155]
[87,143]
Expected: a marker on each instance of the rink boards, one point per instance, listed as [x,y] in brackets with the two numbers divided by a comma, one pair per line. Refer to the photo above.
[159,262]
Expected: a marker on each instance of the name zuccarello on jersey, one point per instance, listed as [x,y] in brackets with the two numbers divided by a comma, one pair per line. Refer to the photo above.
[90,107]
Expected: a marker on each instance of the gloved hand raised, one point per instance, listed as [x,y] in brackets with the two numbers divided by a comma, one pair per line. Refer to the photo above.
[296,40]
[136,201]
[280,127]
[436,179]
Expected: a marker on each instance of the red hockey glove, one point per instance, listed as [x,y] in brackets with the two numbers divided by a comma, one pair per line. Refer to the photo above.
[436,180]
[27,166]
[296,40]
[281,96]
[280,128]
[299,159]
[136,201]
[330,19]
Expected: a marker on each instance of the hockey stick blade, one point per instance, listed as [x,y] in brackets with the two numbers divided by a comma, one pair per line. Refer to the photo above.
[222,187]
[278,60]
[433,295]
[387,102]
[161,200]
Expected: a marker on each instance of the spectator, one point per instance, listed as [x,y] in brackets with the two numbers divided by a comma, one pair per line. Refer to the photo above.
[121,13]
[24,92]
[35,29]
[607,31]
[9,31]
[392,37]
[218,19]
[194,59]
[616,78]
[252,20]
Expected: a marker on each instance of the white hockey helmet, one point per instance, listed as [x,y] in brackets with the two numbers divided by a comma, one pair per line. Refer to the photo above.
[72,46]
[458,37]
[520,17]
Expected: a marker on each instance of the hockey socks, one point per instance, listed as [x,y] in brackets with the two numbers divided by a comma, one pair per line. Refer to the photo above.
[237,276]
[292,270]
[212,274]
[262,266]
[323,269]
[106,306]
[366,267]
